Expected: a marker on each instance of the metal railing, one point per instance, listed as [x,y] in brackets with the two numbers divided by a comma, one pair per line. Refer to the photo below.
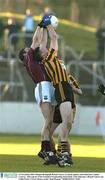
[22,36]
[93,68]
[95,72]
[14,82]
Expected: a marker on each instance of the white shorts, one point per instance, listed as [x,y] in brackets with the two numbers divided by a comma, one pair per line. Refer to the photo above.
[44,92]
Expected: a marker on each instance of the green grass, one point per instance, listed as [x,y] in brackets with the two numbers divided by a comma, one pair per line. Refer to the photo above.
[34,164]
[79,39]
[24,160]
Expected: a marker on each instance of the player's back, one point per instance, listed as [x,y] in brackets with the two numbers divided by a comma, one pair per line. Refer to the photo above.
[56,72]
[34,68]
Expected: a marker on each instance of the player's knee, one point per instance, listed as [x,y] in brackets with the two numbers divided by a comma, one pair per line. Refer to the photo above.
[69,124]
[47,126]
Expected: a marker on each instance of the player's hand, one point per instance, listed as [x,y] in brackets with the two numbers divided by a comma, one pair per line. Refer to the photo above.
[101,89]
[41,24]
[46,20]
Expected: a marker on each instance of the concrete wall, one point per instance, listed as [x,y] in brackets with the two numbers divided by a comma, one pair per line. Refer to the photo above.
[26,118]
[20,118]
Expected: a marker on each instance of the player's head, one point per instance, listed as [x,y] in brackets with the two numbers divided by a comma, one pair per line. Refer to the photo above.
[40,53]
[22,53]
[43,51]
[37,55]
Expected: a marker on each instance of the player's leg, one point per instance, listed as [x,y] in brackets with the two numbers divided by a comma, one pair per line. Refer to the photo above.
[57,119]
[46,109]
[66,113]
[65,155]
[43,98]
[65,99]
[56,122]
[43,94]
[59,139]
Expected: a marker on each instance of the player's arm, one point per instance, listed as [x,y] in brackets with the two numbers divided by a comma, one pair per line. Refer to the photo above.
[74,84]
[77,91]
[37,38]
[75,87]
[44,39]
[53,37]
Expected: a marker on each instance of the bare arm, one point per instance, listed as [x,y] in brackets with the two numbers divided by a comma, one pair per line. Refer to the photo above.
[77,91]
[74,84]
[53,37]
[37,38]
[44,39]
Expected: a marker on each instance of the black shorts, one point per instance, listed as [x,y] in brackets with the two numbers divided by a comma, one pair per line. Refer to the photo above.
[57,115]
[63,93]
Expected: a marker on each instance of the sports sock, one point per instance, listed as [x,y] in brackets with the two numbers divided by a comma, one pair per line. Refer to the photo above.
[45,146]
[65,147]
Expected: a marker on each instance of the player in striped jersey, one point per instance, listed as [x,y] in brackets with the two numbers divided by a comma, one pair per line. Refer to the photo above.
[63,90]
[57,120]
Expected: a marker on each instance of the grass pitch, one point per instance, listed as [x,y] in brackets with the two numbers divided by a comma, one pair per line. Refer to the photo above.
[18,153]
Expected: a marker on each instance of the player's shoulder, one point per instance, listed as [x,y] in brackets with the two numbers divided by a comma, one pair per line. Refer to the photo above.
[52,51]
[30,51]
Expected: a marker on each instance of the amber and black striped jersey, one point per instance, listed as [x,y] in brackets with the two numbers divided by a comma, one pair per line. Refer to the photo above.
[54,68]
[73,81]
[75,84]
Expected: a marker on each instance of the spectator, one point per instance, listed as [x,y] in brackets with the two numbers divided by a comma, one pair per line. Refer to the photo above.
[47,11]
[100,34]
[28,27]
[11,28]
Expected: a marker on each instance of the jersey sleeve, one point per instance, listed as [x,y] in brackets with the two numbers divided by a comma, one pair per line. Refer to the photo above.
[31,53]
[51,55]
[74,81]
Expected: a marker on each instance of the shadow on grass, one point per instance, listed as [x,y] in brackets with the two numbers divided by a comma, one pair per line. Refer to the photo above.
[31,139]
[24,163]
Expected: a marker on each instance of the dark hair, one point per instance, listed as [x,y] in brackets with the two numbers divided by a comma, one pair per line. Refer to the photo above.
[37,55]
[21,54]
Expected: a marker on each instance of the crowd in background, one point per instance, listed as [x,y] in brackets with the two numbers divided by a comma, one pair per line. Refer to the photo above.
[11,27]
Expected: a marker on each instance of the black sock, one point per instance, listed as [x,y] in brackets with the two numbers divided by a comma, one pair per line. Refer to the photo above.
[45,146]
